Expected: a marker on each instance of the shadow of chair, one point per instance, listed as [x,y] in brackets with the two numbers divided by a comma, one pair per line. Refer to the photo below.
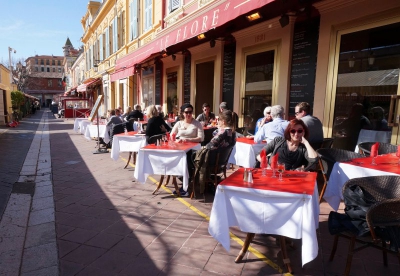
[382,217]
[327,159]
[365,148]
[211,169]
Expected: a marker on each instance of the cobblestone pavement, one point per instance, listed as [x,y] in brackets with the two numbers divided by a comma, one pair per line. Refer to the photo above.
[88,216]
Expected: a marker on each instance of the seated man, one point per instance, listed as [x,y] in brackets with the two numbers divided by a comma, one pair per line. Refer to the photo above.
[314,125]
[273,129]
[135,114]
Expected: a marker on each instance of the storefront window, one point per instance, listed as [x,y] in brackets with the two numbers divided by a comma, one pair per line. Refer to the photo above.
[147,87]
[172,93]
[368,75]
[258,89]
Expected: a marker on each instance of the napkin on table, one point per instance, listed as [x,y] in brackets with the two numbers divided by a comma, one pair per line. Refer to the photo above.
[374,149]
[274,161]
[263,157]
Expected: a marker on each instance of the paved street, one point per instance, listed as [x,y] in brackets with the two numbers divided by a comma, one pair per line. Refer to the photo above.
[86,215]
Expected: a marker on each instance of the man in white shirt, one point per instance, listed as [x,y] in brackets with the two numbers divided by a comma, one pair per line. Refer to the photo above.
[273,129]
[302,112]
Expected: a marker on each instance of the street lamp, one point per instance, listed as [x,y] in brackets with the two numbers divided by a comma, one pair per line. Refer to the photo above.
[9,59]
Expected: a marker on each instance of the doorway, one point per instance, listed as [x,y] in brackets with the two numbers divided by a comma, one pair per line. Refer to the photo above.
[204,86]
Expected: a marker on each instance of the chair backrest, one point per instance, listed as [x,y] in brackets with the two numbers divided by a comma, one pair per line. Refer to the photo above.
[324,144]
[208,135]
[116,129]
[328,158]
[153,139]
[173,123]
[218,159]
[365,148]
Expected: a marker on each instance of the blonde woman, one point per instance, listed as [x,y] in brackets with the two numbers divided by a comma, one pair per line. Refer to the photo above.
[128,110]
[155,124]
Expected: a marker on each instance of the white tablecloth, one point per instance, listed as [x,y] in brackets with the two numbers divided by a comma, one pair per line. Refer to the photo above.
[91,131]
[373,136]
[342,172]
[126,143]
[162,162]
[83,125]
[244,154]
[77,123]
[266,212]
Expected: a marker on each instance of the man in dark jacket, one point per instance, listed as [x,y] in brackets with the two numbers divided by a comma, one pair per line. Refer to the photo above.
[135,114]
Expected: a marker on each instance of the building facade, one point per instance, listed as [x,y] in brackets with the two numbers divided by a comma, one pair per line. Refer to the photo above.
[334,54]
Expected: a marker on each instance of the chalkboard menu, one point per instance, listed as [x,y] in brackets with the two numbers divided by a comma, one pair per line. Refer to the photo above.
[186,77]
[304,62]
[228,73]
[158,82]
[95,108]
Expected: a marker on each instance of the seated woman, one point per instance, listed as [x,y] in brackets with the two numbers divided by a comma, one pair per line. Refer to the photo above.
[188,129]
[155,124]
[225,135]
[294,150]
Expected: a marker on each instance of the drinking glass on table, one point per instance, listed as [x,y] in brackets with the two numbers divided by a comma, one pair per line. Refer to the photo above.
[164,139]
[274,168]
[281,169]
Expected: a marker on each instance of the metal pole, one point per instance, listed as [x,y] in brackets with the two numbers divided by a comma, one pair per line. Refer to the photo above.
[9,63]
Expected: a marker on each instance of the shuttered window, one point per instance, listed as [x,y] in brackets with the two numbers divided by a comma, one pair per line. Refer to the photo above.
[148,14]
[133,15]
[174,4]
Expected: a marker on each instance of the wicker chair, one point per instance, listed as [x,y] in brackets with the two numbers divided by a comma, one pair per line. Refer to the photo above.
[153,139]
[384,213]
[365,148]
[327,158]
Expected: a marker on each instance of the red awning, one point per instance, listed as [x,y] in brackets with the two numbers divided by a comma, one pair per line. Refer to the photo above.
[210,18]
[82,87]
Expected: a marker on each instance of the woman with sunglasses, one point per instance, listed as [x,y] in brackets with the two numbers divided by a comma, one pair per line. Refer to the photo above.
[188,129]
[294,149]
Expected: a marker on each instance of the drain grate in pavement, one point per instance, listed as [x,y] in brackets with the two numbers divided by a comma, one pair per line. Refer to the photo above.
[23,188]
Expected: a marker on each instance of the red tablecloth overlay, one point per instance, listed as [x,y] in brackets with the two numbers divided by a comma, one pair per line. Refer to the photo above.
[386,162]
[248,140]
[172,146]
[293,182]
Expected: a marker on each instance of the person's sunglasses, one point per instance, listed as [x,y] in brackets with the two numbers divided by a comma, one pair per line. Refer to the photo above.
[299,131]
[188,112]
[268,112]
[296,113]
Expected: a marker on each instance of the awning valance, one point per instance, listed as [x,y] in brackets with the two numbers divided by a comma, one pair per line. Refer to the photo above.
[210,18]
[82,87]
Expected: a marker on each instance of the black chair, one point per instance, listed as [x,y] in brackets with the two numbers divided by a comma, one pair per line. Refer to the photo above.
[213,168]
[172,124]
[153,139]
[365,148]
[119,128]
[326,143]
[327,159]
[382,217]
[208,135]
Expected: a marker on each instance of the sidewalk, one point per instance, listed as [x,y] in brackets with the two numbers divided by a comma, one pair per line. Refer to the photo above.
[88,216]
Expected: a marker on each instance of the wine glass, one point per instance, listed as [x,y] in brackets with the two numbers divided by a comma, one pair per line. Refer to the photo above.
[273,167]
[281,169]
[164,139]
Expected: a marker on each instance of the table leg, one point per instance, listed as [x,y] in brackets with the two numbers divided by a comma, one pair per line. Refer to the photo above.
[176,186]
[286,260]
[245,246]
[159,184]
[129,159]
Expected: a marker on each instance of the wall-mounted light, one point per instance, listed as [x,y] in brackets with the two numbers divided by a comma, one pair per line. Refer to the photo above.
[164,53]
[201,36]
[352,61]
[173,57]
[284,20]
[253,16]
[212,43]
[371,58]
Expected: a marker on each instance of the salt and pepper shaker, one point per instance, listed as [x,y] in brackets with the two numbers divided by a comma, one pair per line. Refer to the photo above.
[250,176]
[245,175]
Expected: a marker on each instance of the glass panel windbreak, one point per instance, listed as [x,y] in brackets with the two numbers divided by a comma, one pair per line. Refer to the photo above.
[172,94]
[368,74]
[258,89]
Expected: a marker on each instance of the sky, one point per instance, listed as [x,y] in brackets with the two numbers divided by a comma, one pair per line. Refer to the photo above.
[39,27]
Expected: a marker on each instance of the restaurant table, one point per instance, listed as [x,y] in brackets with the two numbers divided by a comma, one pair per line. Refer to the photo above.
[366,135]
[168,159]
[130,142]
[268,206]
[386,164]
[77,123]
[83,125]
[245,151]
[91,131]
